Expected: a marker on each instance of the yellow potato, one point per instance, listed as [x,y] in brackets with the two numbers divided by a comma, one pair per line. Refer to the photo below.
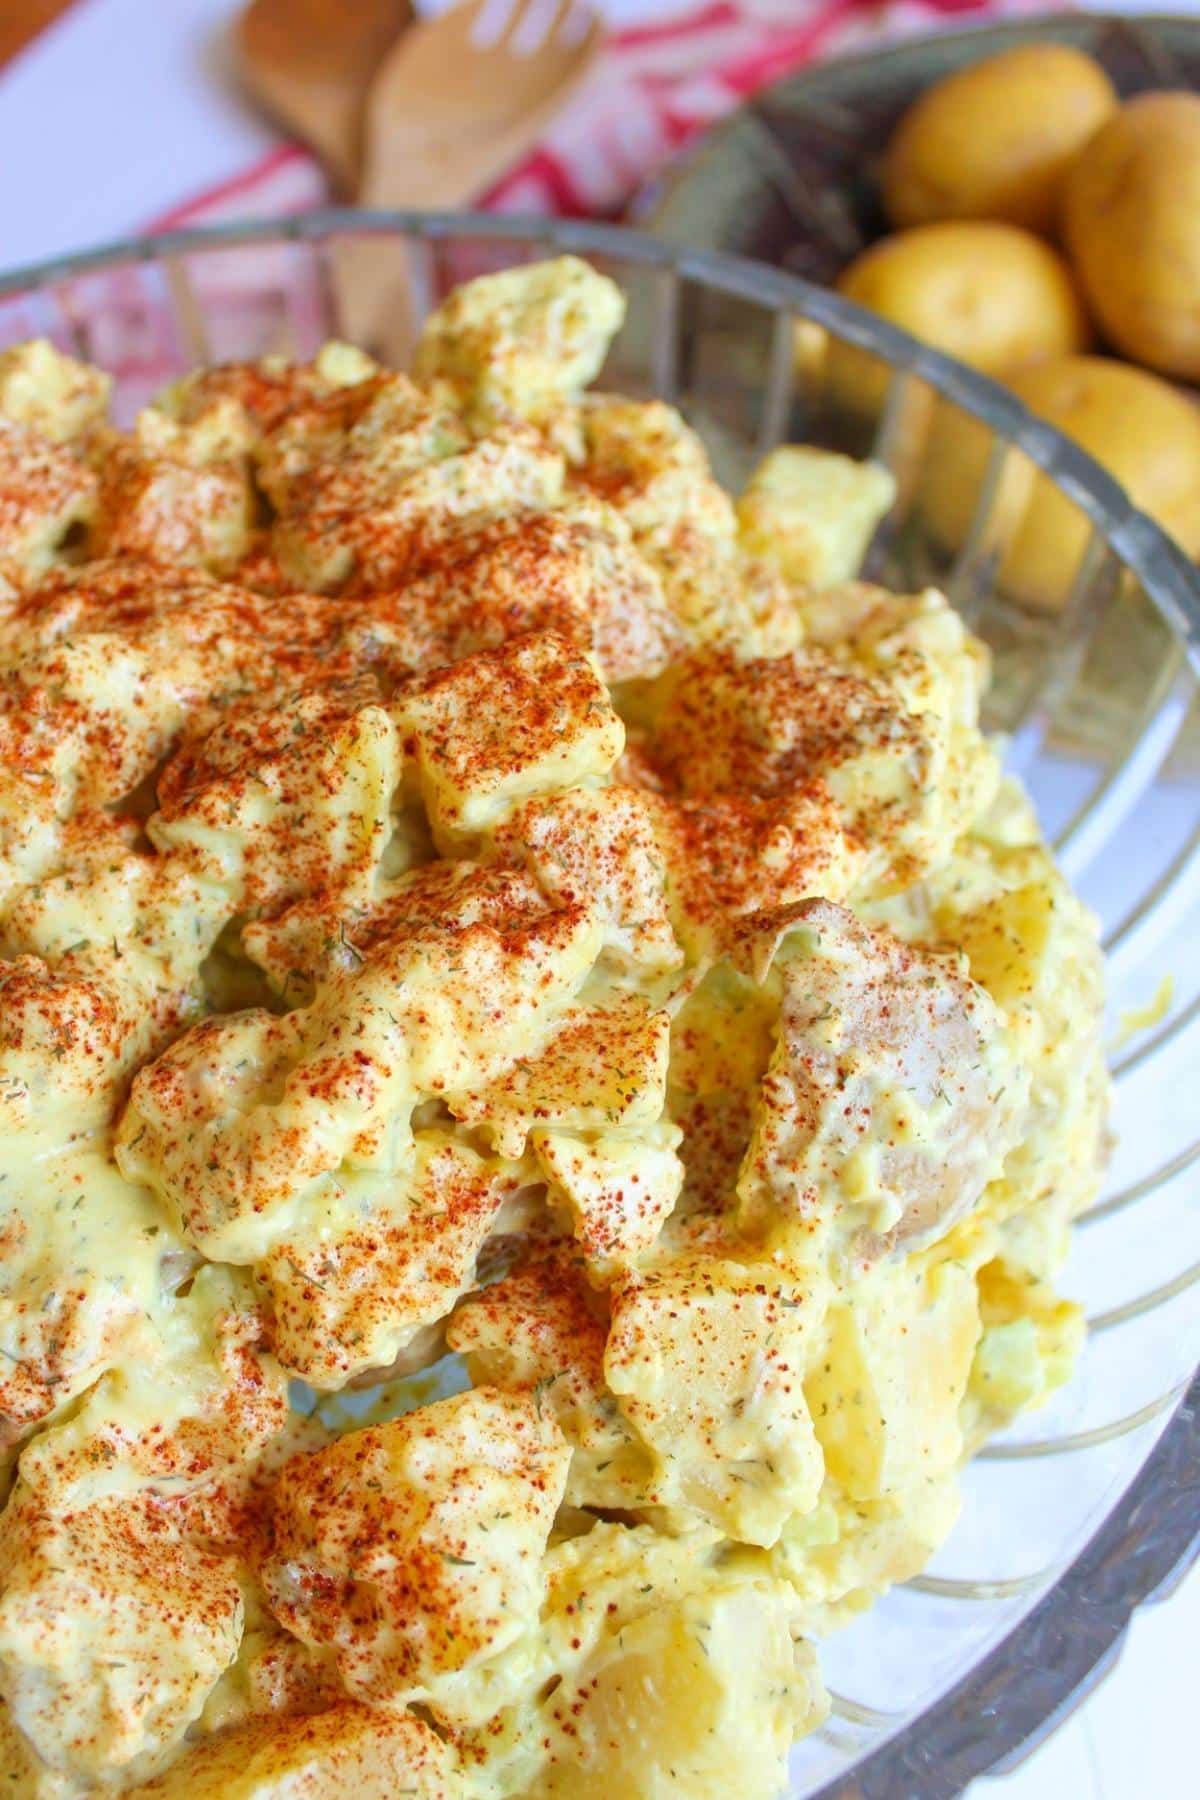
[991,295]
[1132,223]
[1144,433]
[993,141]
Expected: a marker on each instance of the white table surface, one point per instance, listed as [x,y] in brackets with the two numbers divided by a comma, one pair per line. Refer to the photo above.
[124,108]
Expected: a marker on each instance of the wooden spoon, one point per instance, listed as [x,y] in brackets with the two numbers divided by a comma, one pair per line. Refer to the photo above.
[311,63]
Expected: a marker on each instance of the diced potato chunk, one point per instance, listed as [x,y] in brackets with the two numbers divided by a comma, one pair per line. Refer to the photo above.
[889,745]
[707,1359]
[46,493]
[58,1331]
[732,854]
[181,493]
[654,469]
[414,1549]
[99,1688]
[811,513]
[369,480]
[364,1751]
[404,1011]
[600,846]
[525,341]
[54,395]
[696,1700]
[172,1425]
[372,1260]
[277,803]
[600,1067]
[894,1094]
[886,1387]
[1035,947]
[618,1190]
[541,1330]
[488,732]
[574,572]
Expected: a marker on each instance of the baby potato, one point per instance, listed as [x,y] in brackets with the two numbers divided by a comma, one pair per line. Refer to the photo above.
[992,295]
[994,140]
[1131,219]
[1143,432]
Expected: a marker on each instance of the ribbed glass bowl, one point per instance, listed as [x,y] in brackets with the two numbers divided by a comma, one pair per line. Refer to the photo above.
[792,176]
[1091,1506]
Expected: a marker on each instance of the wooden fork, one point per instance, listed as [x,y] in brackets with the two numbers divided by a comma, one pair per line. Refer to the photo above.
[459,99]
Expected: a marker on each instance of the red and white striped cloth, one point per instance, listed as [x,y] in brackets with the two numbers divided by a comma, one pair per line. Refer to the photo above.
[653,88]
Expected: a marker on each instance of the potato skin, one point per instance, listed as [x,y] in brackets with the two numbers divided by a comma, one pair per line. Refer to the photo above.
[1138,427]
[1131,218]
[992,295]
[994,140]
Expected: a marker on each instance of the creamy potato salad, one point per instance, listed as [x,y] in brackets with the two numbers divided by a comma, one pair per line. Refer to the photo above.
[544,1077]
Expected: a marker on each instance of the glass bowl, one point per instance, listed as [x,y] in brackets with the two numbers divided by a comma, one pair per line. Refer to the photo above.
[1090,1506]
[792,176]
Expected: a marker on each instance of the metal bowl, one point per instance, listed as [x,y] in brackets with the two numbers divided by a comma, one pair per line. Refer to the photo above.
[1089,1507]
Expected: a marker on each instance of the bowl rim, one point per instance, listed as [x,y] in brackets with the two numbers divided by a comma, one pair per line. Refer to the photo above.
[1056,1653]
[1053,1659]
[1017,28]
[650,208]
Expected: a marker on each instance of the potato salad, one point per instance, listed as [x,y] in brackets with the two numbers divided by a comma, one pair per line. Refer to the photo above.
[545,1076]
